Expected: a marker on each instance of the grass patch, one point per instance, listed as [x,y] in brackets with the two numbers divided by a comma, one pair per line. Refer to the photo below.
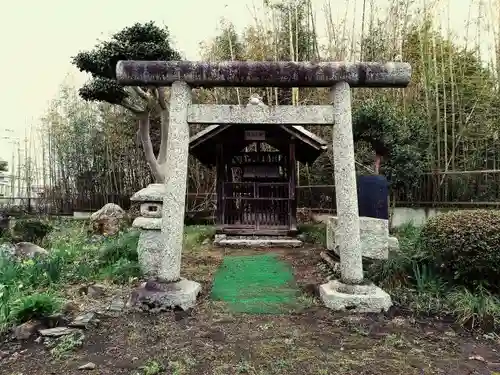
[152,367]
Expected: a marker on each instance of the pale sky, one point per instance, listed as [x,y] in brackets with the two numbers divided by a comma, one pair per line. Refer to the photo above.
[38,39]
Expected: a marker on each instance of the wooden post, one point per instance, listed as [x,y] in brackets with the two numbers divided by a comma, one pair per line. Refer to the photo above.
[220,167]
[292,184]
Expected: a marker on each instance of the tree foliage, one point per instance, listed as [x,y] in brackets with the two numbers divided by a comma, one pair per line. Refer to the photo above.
[137,42]
[400,137]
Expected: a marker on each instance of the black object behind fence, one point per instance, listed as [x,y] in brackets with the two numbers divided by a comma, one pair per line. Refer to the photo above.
[373,197]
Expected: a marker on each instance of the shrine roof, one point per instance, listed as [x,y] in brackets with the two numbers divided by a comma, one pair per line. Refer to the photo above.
[203,144]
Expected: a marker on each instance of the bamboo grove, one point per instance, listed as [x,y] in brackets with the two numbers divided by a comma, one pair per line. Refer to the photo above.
[91,149]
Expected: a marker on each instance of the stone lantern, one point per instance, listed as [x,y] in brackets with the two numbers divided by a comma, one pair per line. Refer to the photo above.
[150,248]
[154,253]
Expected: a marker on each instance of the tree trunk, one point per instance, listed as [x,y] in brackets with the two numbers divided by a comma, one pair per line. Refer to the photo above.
[162,154]
[156,168]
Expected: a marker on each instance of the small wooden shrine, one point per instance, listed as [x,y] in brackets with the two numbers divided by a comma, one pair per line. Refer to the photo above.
[256,175]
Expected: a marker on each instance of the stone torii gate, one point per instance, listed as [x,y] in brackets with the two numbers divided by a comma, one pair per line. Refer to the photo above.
[351,291]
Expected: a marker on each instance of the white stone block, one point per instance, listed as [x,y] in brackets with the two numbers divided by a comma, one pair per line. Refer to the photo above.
[374,235]
[354,298]
[150,250]
[393,244]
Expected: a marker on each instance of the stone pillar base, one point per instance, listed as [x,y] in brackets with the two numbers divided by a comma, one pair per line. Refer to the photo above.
[158,296]
[355,298]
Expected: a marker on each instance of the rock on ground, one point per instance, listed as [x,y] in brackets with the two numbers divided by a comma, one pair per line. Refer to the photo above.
[29,250]
[87,366]
[26,330]
[108,219]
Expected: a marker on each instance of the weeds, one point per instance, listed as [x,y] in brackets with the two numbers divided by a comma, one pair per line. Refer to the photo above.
[196,235]
[475,310]
[152,368]
[313,233]
[34,306]
[415,284]
[66,344]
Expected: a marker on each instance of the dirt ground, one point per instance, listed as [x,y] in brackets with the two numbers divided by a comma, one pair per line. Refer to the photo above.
[211,340]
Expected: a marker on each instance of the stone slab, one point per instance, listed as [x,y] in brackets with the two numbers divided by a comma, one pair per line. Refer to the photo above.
[58,331]
[153,295]
[263,73]
[147,223]
[354,298]
[257,242]
[374,236]
[234,115]
[151,193]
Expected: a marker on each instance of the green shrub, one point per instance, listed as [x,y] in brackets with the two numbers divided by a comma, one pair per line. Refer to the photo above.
[399,270]
[31,230]
[34,306]
[464,246]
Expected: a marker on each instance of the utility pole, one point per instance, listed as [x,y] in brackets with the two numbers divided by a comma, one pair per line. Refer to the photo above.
[18,177]
[13,141]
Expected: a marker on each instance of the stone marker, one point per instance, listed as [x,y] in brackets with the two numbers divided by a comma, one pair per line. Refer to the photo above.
[374,236]
[393,244]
